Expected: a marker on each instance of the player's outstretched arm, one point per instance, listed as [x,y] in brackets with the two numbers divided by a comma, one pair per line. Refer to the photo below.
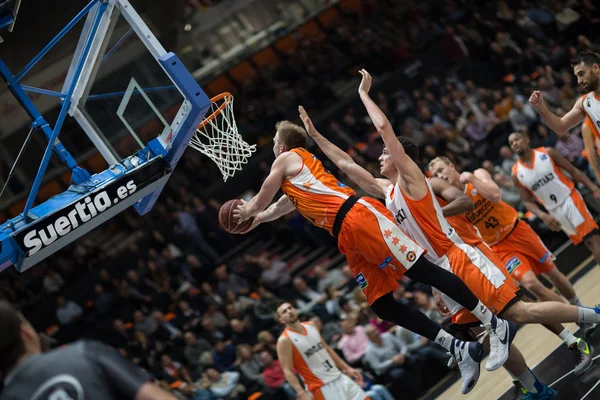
[276,210]
[342,365]
[554,122]
[532,206]
[577,174]
[268,190]
[482,181]
[590,148]
[458,202]
[402,161]
[359,175]
[286,359]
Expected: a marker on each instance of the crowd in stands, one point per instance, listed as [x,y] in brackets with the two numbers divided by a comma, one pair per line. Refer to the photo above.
[204,327]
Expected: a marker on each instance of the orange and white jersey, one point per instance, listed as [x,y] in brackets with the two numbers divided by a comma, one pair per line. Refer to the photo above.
[310,357]
[423,221]
[591,106]
[493,220]
[315,192]
[465,230]
[544,179]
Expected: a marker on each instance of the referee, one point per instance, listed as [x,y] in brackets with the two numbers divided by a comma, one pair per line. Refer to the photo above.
[84,370]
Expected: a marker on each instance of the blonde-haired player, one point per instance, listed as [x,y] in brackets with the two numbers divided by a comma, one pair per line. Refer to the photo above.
[301,348]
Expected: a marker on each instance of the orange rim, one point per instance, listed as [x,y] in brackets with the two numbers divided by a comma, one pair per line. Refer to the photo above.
[225,95]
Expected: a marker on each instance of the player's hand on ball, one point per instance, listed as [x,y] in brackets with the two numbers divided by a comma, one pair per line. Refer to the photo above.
[241,212]
[255,223]
[465,177]
[365,83]
[551,222]
[536,99]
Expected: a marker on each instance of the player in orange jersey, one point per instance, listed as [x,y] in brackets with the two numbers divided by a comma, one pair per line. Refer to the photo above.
[482,277]
[302,350]
[583,352]
[539,175]
[378,252]
[500,227]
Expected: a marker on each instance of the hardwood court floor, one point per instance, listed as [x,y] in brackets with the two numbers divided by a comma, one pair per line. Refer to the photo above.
[537,343]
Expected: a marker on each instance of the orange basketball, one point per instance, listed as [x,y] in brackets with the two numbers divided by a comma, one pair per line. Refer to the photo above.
[228,222]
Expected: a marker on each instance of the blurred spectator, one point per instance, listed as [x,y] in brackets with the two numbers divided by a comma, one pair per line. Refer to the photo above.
[223,385]
[104,301]
[354,341]
[273,375]
[230,281]
[197,351]
[148,325]
[333,277]
[224,356]
[53,282]
[68,312]
[387,357]
[423,300]
[249,364]
[570,146]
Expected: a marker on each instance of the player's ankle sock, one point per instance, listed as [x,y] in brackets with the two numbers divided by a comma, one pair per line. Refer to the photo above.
[588,315]
[530,382]
[444,339]
[575,301]
[567,337]
[482,313]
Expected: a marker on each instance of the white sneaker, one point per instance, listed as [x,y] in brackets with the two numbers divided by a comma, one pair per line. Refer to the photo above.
[468,355]
[501,333]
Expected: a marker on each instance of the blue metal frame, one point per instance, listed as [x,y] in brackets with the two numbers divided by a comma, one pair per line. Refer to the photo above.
[43,91]
[166,149]
[79,175]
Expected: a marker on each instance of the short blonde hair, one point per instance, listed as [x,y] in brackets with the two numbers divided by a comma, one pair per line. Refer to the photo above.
[291,135]
[443,159]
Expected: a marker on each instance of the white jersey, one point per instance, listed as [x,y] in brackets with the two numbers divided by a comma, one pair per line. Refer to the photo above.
[544,179]
[311,359]
[423,221]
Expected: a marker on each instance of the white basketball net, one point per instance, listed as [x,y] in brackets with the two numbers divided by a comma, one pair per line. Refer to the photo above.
[218,138]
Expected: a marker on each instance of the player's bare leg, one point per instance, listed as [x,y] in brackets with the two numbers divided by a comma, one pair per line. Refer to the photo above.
[530,282]
[593,243]
[562,284]
[551,312]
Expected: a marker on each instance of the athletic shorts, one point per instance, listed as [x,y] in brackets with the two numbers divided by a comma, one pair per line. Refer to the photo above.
[342,388]
[575,218]
[377,250]
[478,268]
[523,250]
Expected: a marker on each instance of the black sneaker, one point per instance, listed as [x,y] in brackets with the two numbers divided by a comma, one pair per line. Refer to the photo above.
[518,391]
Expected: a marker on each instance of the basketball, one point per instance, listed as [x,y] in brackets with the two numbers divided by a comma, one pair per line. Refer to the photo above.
[228,221]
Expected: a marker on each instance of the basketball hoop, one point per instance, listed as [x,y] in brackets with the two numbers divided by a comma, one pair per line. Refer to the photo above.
[217,137]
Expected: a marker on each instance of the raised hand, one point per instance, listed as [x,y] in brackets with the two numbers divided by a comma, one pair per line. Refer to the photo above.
[308,124]
[365,83]
[536,99]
